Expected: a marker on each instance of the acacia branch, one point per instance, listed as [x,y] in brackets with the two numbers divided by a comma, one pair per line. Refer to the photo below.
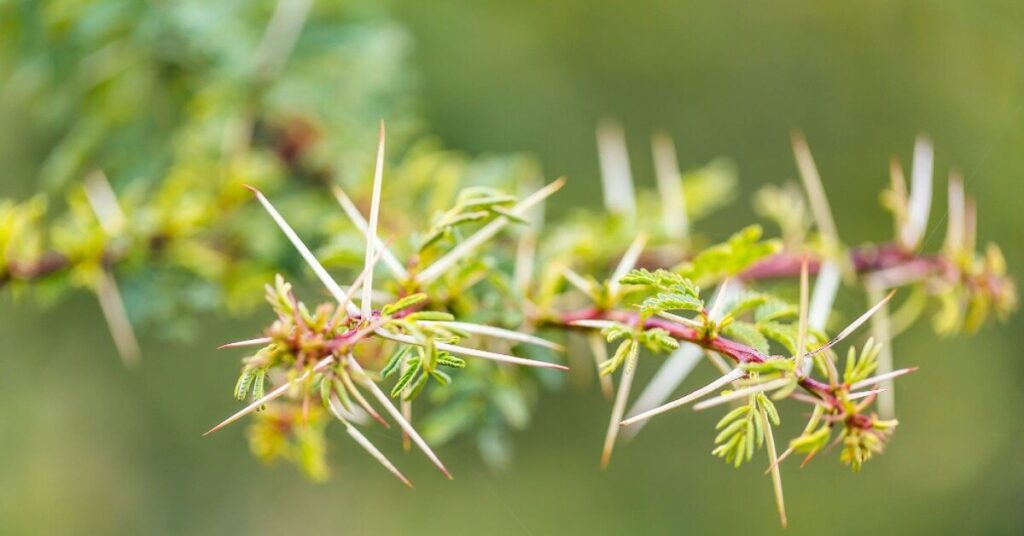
[49,263]
[738,352]
[863,259]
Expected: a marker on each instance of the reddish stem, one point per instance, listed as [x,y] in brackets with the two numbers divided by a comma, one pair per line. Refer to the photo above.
[869,258]
[49,263]
[738,352]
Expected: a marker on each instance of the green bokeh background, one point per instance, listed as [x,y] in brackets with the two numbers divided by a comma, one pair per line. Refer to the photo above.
[87,447]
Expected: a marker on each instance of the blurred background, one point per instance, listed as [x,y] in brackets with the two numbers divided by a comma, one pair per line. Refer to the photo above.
[88,447]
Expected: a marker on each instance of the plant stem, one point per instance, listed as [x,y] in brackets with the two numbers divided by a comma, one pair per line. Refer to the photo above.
[868,258]
[863,259]
[738,352]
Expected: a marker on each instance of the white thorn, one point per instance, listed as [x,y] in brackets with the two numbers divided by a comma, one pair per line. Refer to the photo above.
[773,461]
[280,36]
[104,203]
[576,280]
[360,282]
[815,190]
[853,325]
[473,352]
[826,287]
[394,266]
[490,331]
[681,320]
[371,229]
[864,394]
[740,393]
[354,414]
[670,187]
[108,212]
[260,341]
[728,378]
[594,323]
[616,177]
[619,408]
[358,436]
[307,255]
[368,446]
[881,331]
[882,379]
[396,414]
[599,350]
[627,263]
[116,316]
[526,253]
[920,194]
[671,374]
[719,303]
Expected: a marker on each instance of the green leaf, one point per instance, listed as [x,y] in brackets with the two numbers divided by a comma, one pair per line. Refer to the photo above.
[436,316]
[509,214]
[488,202]
[747,334]
[616,331]
[746,302]
[672,291]
[784,334]
[395,361]
[730,257]
[326,385]
[446,359]
[731,416]
[257,385]
[860,367]
[404,303]
[671,302]
[769,408]
[812,441]
[660,280]
[343,395]
[616,361]
[468,217]
[473,205]
[243,383]
[441,377]
[640,276]
[415,365]
[774,309]
[417,387]
[771,366]
[739,435]
[658,340]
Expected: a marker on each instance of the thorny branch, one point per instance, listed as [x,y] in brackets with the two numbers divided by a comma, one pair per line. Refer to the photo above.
[738,352]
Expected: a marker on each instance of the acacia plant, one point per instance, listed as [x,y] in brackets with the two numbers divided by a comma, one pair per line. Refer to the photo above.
[463,314]
[462,301]
[472,308]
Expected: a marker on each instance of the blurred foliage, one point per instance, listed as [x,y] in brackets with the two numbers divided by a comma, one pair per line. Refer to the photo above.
[180,104]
